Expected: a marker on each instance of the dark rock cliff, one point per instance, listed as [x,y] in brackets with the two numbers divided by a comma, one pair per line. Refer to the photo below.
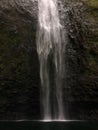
[19,65]
[81,56]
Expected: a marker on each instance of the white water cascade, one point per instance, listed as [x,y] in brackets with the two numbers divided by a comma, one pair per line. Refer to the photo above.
[50,41]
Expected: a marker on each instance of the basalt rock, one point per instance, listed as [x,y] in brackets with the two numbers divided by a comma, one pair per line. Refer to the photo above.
[19,65]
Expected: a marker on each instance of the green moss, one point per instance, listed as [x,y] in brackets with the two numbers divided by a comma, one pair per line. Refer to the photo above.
[91,42]
[91,60]
[92,3]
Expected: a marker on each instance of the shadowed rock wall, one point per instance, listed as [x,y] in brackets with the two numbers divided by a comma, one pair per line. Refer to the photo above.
[19,65]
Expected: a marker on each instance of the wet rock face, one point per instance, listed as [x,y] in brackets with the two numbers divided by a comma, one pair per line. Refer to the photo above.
[19,65]
[21,6]
[82,63]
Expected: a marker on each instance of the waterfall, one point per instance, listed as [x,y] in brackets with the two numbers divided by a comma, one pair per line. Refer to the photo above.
[50,41]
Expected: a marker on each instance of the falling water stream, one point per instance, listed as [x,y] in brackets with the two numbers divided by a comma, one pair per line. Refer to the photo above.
[50,40]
